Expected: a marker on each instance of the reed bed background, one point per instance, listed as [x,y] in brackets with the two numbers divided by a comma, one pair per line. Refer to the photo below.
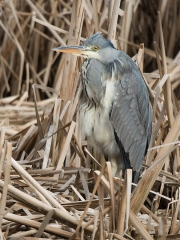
[52,184]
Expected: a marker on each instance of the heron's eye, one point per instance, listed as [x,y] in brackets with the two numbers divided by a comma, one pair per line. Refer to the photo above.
[96,48]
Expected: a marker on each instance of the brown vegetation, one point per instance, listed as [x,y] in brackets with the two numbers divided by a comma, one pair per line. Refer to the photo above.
[51,186]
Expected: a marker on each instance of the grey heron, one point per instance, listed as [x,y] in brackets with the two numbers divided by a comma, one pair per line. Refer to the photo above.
[115,107]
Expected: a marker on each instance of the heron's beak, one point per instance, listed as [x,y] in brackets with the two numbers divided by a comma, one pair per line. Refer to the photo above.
[77,50]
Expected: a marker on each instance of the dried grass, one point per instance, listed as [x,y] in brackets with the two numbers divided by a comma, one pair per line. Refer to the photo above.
[53,186]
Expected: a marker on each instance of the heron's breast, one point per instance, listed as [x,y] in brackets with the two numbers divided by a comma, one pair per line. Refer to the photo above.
[96,126]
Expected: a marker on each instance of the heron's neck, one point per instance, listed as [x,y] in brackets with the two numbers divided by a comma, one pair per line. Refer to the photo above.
[108,55]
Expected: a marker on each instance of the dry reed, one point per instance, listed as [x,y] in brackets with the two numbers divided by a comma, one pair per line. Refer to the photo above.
[53,186]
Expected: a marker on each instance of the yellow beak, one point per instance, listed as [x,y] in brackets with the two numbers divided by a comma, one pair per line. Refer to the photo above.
[77,50]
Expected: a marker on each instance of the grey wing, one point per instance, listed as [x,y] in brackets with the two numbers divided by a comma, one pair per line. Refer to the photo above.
[131,118]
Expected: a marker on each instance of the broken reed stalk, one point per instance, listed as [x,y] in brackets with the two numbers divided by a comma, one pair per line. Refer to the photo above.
[122,208]
[2,153]
[29,179]
[167,88]
[87,206]
[27,39]
[111,183]
[113,21]
[6,181]
[35,224]
[70,61]
[39,206]
[139,226]
[147,181]
[40,15]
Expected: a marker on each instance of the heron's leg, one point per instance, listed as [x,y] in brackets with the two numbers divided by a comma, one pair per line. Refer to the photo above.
[106,157]
[135,176]
[114,166]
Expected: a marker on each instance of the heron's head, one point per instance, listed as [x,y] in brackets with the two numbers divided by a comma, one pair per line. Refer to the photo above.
[96,47]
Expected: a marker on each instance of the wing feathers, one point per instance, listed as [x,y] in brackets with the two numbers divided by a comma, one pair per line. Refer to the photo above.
[130,116]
